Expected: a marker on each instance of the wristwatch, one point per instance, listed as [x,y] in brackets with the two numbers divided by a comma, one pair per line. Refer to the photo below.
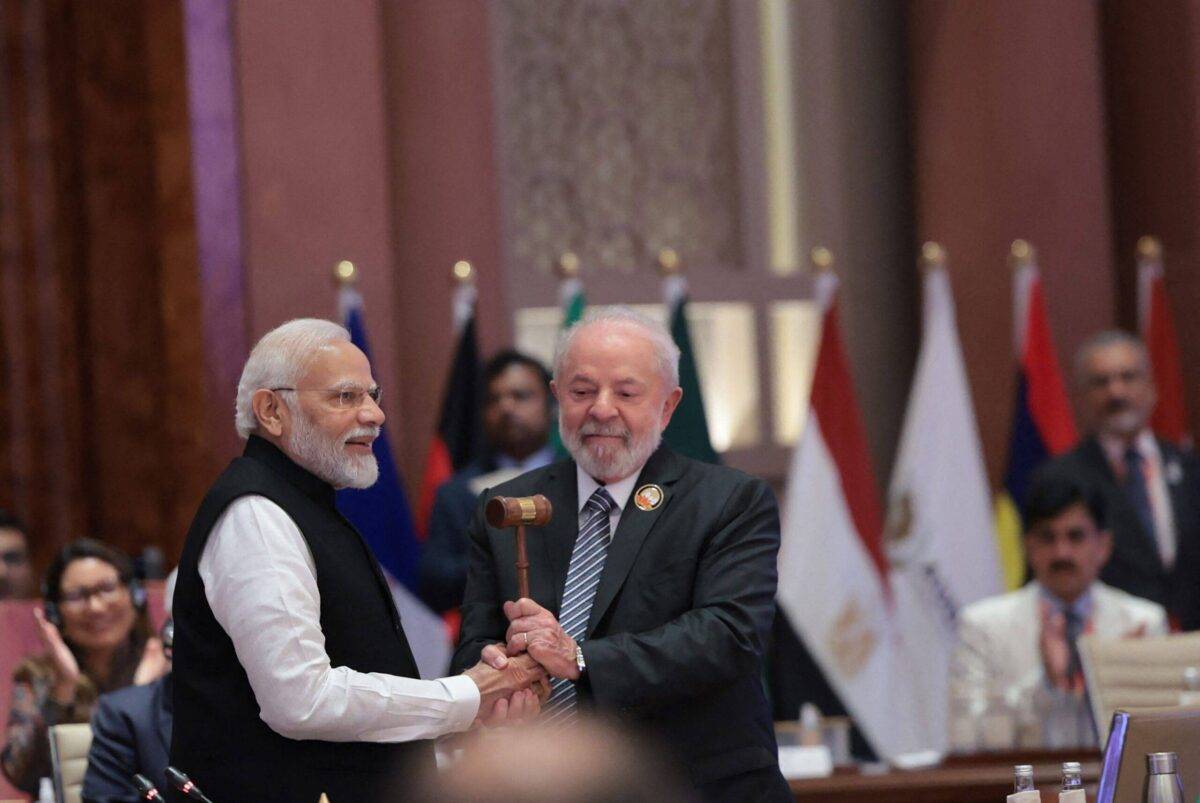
[580,664]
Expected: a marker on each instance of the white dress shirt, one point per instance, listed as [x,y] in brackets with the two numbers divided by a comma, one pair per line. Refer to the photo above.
[260,581]
[619,491]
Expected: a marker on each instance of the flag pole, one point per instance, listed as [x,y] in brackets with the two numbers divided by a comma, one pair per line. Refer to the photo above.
[933,257]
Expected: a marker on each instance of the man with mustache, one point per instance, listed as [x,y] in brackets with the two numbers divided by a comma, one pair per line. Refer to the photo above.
[517,414]
[1016,667]
[1151,488]
[653,585]
[292,673]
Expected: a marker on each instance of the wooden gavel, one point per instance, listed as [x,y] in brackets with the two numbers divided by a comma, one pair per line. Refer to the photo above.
[518,511]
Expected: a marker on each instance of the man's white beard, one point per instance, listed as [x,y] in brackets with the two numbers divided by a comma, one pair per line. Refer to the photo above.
[326,457]
[609,462]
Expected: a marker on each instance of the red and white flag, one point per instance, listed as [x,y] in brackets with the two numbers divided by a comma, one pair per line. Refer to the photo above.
[1157,326]
[832,569]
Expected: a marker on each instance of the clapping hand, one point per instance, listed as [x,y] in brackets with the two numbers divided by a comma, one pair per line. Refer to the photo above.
[154,663]
[62,660]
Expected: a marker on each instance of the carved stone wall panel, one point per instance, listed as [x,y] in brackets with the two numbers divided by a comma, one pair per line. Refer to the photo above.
[616,131]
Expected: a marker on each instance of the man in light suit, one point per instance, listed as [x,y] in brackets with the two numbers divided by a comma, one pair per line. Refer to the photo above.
[1151,488]
[1017,654]
[653,585]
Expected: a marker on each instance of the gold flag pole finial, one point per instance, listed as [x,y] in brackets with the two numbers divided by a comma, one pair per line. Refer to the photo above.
[668,262]
[463,272]
[822,259]
[1021,254]
[567,266]
[1149,247]
[933,256]
[344,273]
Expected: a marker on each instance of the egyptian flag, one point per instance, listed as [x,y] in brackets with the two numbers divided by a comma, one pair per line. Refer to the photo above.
[833,573]
[688,431]
[382,515]
[574,301]
[1042,423]
[1157,326]
[459,437]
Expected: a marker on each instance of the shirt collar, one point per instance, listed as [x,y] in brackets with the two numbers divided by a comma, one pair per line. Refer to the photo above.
[1082,607]
[1114,447]
[619,490]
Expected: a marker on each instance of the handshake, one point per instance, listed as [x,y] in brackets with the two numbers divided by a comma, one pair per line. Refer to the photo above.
[513,677]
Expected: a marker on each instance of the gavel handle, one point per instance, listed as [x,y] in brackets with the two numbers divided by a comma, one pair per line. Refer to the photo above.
[522,564]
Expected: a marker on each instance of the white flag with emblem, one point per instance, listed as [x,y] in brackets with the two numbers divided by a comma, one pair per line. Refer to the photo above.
[939,532]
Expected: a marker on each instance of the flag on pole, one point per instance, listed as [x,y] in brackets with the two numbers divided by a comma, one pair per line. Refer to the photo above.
[1157,327]
[688,431]
[573,301]
[1042,425]
[939,533]
[382,515]
[459,437]
[832,570]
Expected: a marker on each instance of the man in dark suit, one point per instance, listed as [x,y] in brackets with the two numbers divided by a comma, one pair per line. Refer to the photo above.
[653,585]
[517,414]
[131,733]
[1151,488]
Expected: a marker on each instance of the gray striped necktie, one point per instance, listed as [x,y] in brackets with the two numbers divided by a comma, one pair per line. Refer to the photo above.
[583,576]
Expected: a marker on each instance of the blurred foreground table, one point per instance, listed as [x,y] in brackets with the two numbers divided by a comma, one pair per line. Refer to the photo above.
[986,778]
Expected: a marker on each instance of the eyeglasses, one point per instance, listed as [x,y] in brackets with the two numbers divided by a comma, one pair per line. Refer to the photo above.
[14,557]
[350,398]
[77,598]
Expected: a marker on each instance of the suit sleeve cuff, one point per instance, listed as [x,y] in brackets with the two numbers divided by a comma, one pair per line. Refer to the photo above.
[464,702]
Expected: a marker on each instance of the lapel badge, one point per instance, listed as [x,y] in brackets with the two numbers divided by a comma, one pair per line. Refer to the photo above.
[1174,473]
[648,497]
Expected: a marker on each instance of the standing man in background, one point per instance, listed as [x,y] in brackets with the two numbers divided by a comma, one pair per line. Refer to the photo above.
[293,676]
[1151,489]
[518,412]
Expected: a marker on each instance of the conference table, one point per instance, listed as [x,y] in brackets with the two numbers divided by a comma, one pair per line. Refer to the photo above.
[984,777]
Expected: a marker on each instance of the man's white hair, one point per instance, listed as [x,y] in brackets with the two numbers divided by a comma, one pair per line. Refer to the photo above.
[279,360]
[666,353]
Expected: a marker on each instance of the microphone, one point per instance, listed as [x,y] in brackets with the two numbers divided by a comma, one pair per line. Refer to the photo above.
[146,788]
[185,785]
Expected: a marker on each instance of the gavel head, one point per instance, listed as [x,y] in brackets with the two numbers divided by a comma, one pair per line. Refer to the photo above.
[509,511]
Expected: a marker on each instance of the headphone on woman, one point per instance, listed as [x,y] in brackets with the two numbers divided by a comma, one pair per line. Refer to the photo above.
[88,548]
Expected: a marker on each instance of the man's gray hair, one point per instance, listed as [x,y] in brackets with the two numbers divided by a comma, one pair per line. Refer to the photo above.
[1101,340]
[666,353]
[279,360]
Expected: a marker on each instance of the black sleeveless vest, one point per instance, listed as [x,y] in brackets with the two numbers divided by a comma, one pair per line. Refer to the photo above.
[219,738]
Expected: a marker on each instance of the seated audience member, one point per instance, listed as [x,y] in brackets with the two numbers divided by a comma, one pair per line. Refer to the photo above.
[97,638]
[1151,488]
[517,413]
[131,732]
[1017,652]
[16,574]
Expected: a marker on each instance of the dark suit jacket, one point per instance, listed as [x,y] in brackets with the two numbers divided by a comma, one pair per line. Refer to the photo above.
[676,634]
[443,570]
[131,733]
[1135,565]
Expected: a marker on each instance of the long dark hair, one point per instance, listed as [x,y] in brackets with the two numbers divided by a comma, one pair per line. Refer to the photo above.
[125,660]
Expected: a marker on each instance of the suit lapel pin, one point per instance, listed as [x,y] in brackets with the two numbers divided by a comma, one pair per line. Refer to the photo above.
[648,497]
[1174,473]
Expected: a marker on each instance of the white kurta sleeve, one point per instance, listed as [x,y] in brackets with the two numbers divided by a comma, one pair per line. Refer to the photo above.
[260,581]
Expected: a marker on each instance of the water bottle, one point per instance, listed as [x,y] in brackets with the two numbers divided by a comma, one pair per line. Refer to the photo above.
[1023,789]
[1162,779]
[1072,784]
[46,791]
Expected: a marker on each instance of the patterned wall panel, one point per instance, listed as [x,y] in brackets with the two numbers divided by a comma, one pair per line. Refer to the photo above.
[616,131]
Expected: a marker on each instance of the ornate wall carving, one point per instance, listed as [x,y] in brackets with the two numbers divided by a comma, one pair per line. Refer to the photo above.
[616,131]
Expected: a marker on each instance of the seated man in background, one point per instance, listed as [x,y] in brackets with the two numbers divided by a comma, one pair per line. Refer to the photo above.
[517,414]
[131,732]
[1016,668]
[16,572]
[1151,488]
